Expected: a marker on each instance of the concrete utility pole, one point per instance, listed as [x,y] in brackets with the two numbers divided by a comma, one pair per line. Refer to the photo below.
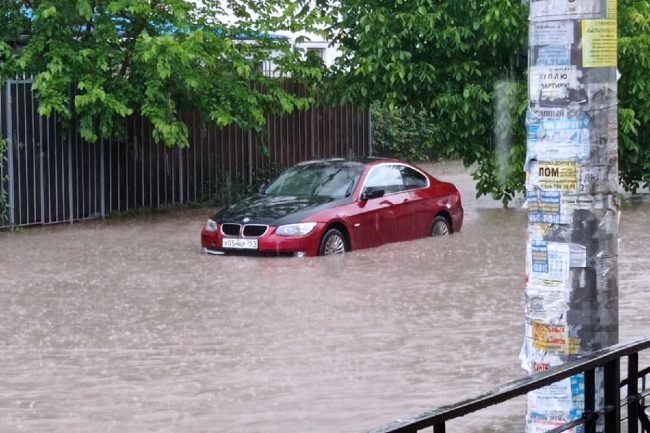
[573,205]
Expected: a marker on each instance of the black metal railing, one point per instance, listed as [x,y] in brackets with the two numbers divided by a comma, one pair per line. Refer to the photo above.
[608,359]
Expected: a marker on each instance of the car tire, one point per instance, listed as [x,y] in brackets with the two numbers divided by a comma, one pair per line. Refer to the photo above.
[440,226]
[332,243]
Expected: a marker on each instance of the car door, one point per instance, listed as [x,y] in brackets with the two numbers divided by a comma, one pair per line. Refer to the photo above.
[417,208]
[378,219]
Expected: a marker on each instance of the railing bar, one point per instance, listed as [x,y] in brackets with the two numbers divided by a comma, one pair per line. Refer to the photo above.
[590,396]
[439,428]
[612,396]
[645,423]
[632,391]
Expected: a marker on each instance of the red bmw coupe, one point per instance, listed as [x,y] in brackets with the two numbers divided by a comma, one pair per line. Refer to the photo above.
[331,206]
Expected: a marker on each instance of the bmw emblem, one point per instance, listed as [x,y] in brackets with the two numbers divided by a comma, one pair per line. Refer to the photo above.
[246,219]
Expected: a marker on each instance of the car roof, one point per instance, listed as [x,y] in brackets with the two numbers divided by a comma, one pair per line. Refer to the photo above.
[365,161]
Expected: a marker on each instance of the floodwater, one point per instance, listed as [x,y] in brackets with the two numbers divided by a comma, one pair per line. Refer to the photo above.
[123,326]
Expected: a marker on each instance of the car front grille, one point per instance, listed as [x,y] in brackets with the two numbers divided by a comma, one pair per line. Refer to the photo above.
[230,229]
[255,230]
[249,230]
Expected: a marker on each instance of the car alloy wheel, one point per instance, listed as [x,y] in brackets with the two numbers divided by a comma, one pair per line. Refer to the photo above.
[333,243]
[440,226]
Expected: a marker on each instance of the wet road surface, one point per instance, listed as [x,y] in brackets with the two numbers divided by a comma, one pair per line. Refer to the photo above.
[123,326]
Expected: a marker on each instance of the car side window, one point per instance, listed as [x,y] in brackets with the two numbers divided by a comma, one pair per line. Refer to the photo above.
[386,177]
[412,179]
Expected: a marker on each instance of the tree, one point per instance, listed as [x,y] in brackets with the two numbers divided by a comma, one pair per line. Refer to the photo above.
[156,58]
[404,133]
[466,64]
[634,93]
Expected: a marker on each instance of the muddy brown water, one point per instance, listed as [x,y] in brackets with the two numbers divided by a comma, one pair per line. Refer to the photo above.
[123,326]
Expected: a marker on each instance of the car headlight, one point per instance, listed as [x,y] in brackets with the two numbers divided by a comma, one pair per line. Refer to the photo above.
[300,229]
[210,226]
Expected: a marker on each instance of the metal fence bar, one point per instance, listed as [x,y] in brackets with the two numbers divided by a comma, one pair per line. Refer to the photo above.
[30,144]
[102,178]
[128,144]
[10,157]
[81,152]
[57,142]
[41,166]
[70,192]
[181,183]
[612,396]
[24,159]
[19,157]
[142,152]
[632,393]
[369,129]
[4,210]
[590,397]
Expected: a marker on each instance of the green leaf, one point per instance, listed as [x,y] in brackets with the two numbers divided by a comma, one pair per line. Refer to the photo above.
[47,12]
[84,9]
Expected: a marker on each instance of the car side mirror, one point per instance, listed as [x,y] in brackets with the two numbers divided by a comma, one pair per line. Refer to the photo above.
[372,192]
[262,188]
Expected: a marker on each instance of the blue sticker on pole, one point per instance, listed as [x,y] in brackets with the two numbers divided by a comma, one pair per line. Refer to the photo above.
[539,256]
[554,55]
[544,207]
[559,139]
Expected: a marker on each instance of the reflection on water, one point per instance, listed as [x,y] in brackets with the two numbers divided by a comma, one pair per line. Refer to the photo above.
[125,327]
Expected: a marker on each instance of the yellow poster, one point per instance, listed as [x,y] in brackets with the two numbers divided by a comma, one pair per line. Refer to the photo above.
[599,43]
[611,8]
[553,339]
[558,175]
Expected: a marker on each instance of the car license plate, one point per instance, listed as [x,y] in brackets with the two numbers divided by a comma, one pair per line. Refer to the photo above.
[240,244]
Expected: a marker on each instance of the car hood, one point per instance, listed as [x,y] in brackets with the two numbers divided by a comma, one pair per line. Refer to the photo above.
[275,209]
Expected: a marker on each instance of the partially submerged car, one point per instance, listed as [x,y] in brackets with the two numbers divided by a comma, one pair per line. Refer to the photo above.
[331,206]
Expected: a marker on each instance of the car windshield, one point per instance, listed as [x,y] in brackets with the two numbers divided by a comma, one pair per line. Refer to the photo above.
[327,180]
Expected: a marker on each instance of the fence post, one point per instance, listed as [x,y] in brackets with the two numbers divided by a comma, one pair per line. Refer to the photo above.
[251,159]
[102,180]
[10,155]
[369,126]
[71,132]
[181,184]
[41,166]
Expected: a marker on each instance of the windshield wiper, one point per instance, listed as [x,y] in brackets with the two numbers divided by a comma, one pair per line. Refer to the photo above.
[327,180]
